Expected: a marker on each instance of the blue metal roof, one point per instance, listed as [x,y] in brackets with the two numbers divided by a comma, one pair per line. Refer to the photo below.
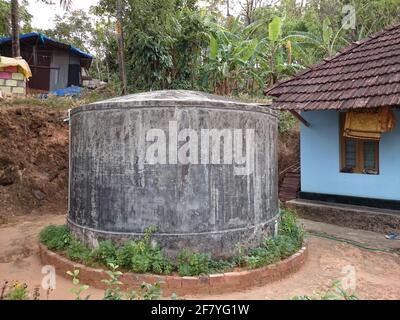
[42,38]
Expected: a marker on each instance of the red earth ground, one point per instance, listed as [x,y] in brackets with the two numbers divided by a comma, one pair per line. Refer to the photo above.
[377,273]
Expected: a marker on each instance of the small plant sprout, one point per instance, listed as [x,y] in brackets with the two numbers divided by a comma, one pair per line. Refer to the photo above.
[113,291]
[334,292]
[78,289]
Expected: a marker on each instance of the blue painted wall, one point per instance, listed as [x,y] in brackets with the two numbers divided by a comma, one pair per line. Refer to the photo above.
[320,161]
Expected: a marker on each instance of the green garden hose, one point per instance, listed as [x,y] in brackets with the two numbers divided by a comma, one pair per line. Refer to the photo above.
[351,242]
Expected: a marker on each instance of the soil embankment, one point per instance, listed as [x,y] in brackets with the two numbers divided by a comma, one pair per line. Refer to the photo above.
[33,162]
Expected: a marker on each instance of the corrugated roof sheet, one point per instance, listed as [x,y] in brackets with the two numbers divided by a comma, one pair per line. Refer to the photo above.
[43,39]
[364,75]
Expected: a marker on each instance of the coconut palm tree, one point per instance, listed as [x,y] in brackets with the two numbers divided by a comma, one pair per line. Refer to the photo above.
[16,52]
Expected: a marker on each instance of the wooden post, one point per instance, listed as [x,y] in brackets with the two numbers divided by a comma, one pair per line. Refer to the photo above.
[300,118]
[16,52]
[121,48]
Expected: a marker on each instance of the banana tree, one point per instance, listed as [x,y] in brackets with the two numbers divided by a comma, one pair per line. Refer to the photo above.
[230,55]
[277,56]
[314,47]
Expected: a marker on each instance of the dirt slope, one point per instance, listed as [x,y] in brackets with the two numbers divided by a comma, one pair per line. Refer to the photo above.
[33,162]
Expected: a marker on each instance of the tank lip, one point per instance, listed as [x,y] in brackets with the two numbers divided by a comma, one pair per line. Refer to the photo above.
[254,226]
[162,104]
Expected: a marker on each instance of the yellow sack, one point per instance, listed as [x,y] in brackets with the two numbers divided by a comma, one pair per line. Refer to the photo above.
[20,63]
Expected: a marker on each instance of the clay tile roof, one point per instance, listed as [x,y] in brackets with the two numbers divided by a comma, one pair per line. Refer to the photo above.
[364,75]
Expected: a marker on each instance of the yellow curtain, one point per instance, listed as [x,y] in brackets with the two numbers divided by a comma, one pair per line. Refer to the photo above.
[369,125]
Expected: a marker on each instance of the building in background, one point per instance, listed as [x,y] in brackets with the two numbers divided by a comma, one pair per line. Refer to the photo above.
[54,65]
[348,105]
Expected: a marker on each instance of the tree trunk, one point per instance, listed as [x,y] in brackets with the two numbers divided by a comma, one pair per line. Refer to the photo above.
[121,48]
[16,52]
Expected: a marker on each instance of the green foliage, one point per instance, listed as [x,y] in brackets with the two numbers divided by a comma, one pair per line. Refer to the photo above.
[25,17]
[56,237]
[150,260]
[286,121]
[334,292]
[289,227]
[193,263]
[288,241]
[77,290]
[73,27]
[113,291]
[141,256]
[147,292]
[17,291]
[275,29]
[76,251]
[105,253]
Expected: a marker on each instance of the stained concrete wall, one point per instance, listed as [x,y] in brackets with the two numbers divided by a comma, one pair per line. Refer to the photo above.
[115,193]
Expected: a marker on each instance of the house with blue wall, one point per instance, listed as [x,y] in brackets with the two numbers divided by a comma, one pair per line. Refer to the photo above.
[349,137]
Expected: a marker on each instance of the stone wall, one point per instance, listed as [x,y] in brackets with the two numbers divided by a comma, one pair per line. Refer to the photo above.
[12,82]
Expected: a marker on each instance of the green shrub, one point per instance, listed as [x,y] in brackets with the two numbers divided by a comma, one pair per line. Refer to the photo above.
[142,257]
[150,260]
[286,121]
[291,228]
[289,240]
[218,266]
[193,263]
[125,253]
[105,253]
[18,291]
[76,251]
[56,237]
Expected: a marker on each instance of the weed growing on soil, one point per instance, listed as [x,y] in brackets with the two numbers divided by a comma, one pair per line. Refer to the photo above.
[16,291]
[76,251]
[141,256]
[335,292]
[289,240]
[194,264]
[56,237]
[105,253]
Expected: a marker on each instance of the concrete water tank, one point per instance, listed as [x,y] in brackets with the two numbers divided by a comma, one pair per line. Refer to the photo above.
[200,167]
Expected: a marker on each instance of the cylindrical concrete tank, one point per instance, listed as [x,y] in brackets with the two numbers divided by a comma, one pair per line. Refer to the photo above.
[200,167]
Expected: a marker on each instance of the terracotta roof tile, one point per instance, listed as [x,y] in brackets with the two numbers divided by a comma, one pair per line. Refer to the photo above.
[364,75]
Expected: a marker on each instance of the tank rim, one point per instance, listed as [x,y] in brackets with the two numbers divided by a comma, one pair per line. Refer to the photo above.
[175,99]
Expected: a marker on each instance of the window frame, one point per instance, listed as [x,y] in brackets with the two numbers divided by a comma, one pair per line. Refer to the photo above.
[360,161]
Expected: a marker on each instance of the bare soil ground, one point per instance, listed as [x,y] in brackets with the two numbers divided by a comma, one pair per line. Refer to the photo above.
[33,162]
[377,273]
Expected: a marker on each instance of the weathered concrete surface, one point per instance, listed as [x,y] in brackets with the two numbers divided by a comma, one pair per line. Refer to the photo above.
[115,193]
[356,217]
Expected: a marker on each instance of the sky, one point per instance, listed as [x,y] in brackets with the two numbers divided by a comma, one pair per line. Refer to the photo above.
[43,14]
